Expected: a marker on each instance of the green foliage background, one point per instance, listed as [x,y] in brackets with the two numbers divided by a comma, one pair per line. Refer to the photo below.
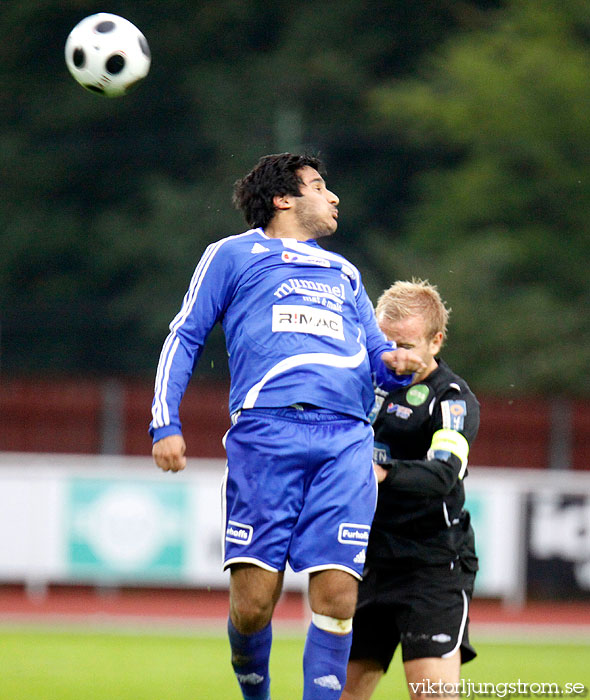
[455,133]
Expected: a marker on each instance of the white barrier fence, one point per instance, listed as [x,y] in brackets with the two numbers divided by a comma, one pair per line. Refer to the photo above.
[120,521]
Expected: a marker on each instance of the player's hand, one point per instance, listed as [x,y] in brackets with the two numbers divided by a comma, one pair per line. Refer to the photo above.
[380,473]
[403,361]
[169,452]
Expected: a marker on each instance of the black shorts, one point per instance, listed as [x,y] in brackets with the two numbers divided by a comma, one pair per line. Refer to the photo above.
[425,609]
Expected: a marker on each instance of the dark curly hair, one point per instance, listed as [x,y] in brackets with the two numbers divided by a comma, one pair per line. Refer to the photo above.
[273,175]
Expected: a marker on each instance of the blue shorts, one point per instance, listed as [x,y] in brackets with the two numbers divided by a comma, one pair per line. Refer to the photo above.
[299,488]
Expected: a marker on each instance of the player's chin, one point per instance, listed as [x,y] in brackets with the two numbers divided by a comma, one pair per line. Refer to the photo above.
[323,232]
[331,227]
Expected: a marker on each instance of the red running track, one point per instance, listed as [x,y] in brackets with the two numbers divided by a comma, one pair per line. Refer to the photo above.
[79,604]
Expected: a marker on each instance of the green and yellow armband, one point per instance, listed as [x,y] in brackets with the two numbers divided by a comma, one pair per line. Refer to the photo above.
[445,442]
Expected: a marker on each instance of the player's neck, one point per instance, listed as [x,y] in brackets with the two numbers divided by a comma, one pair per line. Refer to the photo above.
[420,377]
[282,231]
[284,225]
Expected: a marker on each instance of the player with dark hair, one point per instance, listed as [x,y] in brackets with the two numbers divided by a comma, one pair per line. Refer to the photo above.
[254,194]
[421,560]
[304,348]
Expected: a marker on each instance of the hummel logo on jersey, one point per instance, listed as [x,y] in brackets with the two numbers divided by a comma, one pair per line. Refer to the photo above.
[258,248]
[330,682]
[361,557]
[333,292]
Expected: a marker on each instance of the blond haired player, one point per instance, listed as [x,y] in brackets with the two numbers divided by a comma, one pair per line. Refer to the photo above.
[421,560]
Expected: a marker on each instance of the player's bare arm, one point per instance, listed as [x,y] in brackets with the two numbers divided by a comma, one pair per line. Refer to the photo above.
[169,452]
[403,361]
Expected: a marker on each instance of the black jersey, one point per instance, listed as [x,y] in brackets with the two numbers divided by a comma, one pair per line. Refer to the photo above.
[423,434]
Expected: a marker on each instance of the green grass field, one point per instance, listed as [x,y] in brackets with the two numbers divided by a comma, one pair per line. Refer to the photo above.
[48,664]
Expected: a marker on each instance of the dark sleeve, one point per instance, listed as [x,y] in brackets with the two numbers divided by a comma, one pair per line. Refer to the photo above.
[455,422]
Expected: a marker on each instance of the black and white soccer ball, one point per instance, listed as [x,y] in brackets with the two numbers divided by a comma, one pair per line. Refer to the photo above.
[107,54]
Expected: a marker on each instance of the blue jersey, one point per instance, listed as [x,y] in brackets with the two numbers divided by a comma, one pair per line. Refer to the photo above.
[298,324]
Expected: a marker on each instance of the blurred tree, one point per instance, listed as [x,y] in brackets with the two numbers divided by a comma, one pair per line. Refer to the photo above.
[107,204]
[499,216]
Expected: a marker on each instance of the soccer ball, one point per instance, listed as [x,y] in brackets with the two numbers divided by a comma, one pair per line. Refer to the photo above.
[107,54]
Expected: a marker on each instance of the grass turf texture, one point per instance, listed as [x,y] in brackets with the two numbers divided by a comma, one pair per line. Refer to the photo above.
[69,665]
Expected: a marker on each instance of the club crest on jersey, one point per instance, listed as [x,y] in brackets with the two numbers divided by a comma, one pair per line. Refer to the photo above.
[351,533]
[289,257]
[238,532]
[290,318]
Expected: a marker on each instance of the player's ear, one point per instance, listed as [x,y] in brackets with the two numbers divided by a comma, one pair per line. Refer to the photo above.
[283,201]
[436,342]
